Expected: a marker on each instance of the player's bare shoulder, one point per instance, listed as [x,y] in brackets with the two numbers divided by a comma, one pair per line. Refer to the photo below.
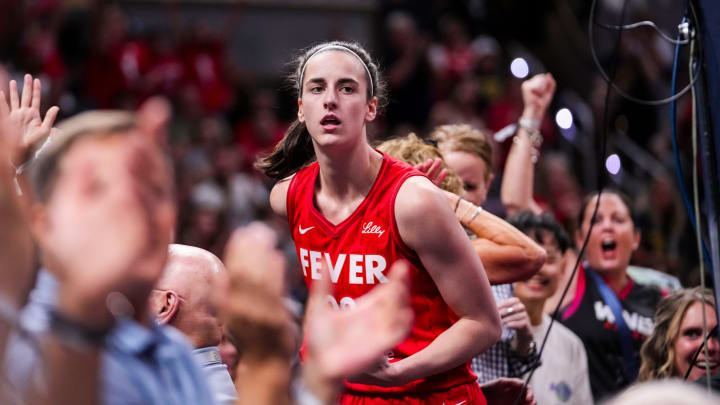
[418,205]
[416,195]
[278,196]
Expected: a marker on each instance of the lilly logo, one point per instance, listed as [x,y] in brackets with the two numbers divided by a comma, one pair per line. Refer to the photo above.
[368,227]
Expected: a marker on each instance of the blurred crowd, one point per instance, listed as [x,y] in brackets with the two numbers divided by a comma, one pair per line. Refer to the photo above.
[445,63]
[458,79]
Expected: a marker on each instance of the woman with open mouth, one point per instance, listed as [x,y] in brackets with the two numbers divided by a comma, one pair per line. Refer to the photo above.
[610,313]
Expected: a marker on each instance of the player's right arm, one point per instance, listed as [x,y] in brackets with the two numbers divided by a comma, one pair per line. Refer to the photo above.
[427,225]
[278,196]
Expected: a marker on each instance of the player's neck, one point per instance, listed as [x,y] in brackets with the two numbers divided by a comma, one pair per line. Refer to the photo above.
[349,174]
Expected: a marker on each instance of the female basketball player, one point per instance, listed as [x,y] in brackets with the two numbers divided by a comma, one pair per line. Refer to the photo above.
[354,211]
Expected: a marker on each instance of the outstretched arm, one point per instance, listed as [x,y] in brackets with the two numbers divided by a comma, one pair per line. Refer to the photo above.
[516,191]
[20,127]
[428,226]
[507,254]
[16,247]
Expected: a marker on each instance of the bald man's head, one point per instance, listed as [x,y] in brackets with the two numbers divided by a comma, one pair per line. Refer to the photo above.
[181,297]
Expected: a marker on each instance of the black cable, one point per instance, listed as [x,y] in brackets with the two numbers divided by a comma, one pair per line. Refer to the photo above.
[602,140]
[617,89]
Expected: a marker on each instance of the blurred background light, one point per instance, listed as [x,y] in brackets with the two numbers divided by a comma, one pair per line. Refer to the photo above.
[612,164]
[519,68]
[564,118]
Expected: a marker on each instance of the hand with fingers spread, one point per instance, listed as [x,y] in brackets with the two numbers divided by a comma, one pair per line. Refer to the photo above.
[506,391]
[352,343]
[24,113]
[514,316]
[537,93]
[434,169]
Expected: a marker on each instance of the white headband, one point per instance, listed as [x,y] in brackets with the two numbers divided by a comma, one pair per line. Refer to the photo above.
[339,48]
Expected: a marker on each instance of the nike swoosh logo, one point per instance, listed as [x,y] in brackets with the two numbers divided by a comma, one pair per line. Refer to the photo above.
[303,231]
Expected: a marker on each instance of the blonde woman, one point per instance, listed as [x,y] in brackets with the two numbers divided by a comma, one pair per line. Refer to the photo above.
[668,352]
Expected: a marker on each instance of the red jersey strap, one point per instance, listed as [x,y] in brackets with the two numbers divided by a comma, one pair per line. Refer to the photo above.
[298,180]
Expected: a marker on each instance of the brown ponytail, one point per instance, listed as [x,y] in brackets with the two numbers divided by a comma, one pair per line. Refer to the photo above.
[296,150]
[293,152]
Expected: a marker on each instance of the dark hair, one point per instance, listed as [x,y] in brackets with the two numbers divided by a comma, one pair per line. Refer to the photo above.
[296,150]
[622,196]
[534,225]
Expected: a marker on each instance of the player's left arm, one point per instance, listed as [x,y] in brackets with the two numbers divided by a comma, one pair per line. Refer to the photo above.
[428,226]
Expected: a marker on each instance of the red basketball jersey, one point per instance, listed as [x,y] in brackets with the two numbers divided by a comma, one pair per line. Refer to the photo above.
[358,253]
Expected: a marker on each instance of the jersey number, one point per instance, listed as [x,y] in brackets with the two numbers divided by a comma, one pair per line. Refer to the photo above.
[345,302]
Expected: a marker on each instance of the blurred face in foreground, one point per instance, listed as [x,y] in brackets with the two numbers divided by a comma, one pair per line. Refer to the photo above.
[111,210]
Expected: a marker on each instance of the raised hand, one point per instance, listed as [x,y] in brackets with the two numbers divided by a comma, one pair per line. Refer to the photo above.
[537,93]
[24,113]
